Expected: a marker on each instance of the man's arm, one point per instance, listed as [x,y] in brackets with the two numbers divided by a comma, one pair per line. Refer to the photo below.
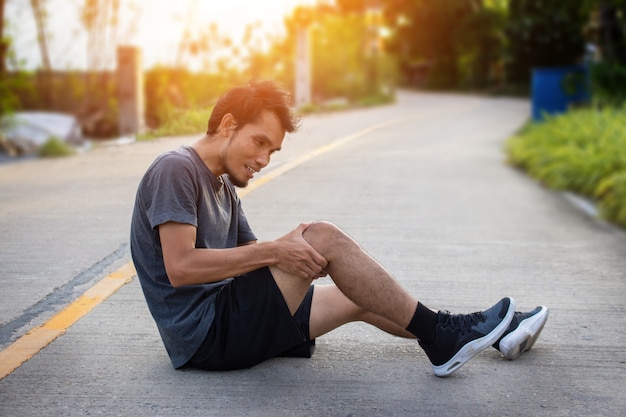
[186,265]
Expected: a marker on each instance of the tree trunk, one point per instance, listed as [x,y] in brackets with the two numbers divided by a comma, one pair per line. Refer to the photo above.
[613,38]
[45,85]
[3,44]
[41,34]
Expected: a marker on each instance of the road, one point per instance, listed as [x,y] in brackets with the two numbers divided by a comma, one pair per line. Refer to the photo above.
[422,184]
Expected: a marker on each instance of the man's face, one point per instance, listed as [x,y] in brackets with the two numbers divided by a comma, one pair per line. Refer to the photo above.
[250,148]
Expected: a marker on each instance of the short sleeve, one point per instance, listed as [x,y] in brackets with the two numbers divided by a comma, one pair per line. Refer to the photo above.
[169,191]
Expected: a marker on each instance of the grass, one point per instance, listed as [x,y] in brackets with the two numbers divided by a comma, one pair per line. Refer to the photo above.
[187,122]
[583,151]
[55,147]
[181,122]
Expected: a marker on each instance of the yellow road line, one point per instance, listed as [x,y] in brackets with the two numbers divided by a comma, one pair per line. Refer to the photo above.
[35,340]
[38,338]
[242,192]
[32,342]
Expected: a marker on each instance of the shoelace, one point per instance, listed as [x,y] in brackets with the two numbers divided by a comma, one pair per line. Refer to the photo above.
[463,322]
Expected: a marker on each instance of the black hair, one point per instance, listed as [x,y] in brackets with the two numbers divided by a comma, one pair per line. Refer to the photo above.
[246,103]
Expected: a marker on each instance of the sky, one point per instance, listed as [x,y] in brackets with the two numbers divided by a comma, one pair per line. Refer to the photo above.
[156,26]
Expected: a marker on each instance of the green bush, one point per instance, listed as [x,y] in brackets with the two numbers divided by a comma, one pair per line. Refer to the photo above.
[612,195]
[609,83]
[583,151]
[181,122]
[55,147]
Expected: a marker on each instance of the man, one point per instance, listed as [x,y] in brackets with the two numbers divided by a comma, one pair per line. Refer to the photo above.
[223,301]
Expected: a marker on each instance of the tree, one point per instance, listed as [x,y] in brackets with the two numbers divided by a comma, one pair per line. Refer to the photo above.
[609,74]
[612,36]
[428,31]
[344,64]
[39,14]
[4,45]
[101,21]
[545,34]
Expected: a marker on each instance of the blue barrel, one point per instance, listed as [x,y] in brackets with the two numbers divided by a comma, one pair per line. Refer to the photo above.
[554,90]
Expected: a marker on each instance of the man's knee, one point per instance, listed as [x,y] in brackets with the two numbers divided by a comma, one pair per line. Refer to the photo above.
[322,234]
[328,239]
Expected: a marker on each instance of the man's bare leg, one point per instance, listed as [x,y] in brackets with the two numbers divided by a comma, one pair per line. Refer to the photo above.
[358,276]
[363,280]
[331,309]
[381,300]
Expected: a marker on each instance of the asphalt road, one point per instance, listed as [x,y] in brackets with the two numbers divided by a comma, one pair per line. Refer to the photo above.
[422,184]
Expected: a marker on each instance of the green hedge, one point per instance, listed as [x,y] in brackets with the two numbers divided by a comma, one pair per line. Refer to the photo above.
[181,122]
[55,147]
[583,151]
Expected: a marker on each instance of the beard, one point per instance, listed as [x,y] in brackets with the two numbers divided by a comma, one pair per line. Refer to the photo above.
[238,182]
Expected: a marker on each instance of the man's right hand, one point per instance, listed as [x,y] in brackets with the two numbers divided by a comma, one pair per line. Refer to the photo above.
[297,257]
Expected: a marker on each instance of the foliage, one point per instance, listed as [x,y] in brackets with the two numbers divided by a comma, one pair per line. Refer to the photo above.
[607,30]
[608,83]
[341,67]
[180,122]
[347,56]
[171,92]
[9,100]
[481,41]
[346,64]
[449,43]
[91,96]
[428,31]
[611,36]
[582,151]
[337,46]
[544,34]
[9,83]
[55,147]
[612,195]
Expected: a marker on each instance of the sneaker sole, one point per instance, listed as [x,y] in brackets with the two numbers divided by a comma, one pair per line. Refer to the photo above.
[524,337]
[474,347]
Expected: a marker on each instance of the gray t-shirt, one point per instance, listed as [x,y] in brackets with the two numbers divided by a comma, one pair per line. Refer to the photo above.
[179,187]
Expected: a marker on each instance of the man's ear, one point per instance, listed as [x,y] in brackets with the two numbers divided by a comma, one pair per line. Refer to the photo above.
[227,125]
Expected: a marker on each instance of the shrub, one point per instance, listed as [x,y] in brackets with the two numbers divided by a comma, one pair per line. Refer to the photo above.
[181,122]
[55,147]
[609,83]
[612,195]
[582,151]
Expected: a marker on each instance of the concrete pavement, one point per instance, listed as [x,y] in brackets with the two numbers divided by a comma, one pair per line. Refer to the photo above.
[421,184]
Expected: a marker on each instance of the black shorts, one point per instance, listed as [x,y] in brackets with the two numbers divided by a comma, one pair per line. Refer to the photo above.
[252,324]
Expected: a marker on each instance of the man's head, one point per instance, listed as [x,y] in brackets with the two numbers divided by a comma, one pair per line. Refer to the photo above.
[246,103]
[247,126]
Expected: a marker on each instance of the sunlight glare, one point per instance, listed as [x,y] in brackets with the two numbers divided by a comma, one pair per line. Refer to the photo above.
[164,24]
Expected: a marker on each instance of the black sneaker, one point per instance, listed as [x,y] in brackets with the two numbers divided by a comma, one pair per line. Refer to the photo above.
[522,333]
[461,336]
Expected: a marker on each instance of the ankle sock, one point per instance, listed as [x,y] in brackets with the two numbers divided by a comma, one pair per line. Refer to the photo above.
[423,324]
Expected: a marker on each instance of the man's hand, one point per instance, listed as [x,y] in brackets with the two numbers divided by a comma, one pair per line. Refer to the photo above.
[296,257]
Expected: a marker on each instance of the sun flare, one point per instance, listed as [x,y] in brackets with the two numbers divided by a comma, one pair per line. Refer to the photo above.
[157,27]
[166,25]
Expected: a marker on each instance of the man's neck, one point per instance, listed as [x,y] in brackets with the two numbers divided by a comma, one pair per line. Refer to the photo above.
[207,148]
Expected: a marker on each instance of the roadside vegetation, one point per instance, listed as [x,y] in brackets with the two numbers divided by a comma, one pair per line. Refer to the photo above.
[55,147]
[582,151]
[361,50]
[180,122]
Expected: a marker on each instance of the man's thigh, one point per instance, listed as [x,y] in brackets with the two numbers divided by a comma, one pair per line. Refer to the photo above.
[292,288]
